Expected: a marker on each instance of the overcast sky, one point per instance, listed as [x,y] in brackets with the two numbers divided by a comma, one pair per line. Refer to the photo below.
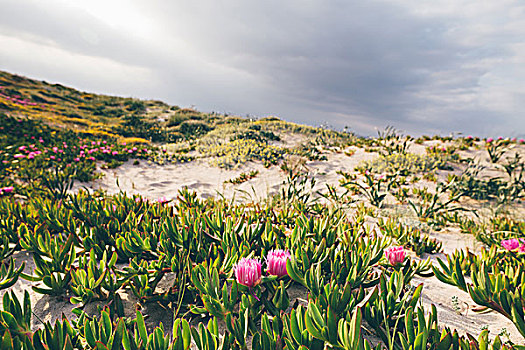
[423,66]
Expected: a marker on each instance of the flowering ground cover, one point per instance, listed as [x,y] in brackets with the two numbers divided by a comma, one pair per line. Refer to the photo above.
[337,269]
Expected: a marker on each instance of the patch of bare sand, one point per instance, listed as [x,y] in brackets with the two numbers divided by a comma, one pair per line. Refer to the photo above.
[154,181]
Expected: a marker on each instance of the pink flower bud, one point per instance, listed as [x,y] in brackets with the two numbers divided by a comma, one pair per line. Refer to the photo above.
[395,255]
[248,272]
[276,262]
[490,139]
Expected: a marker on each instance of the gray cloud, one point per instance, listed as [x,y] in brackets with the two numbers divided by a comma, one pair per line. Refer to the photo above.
[425,68]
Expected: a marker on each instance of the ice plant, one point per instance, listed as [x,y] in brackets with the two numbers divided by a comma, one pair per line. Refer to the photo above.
[513,244]
[276,262]
[395,255]
[248,272]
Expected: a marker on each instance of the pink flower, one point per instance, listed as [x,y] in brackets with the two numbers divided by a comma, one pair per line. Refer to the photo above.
[469,137]
[134,148]
[248,272]
[19,156]
[490,139]
[8,189]
[521,141]
[162,200]
[276,262]
[510,244]
[395,255]
[21,148]
[52,157]
[114,153]
[91,158]
[77,159]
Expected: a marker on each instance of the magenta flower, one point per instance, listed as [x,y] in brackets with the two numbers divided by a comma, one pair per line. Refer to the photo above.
[8,189]
[490,139]
[395,255]
[510,244]
[248,272]
[162,200]
[19,156]
[276,262]
[521,141]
